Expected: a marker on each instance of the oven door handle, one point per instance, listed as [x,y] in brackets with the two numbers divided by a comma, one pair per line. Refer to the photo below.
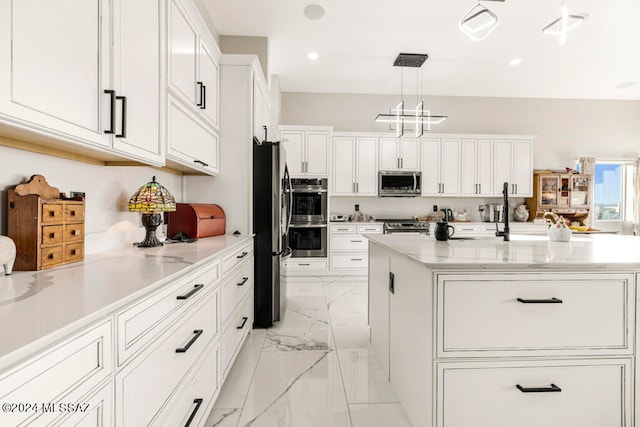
[308,226]
[309,190]
[415,183]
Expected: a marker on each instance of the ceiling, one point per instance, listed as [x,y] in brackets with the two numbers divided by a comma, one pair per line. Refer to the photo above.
[358,40]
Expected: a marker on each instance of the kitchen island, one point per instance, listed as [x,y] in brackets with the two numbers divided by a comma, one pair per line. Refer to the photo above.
[488,333]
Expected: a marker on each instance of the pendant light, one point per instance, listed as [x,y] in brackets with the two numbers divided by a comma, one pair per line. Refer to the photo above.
[479,21]
[419,118]
[565,23]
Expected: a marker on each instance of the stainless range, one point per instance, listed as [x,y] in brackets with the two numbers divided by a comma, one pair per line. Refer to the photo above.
[412,226]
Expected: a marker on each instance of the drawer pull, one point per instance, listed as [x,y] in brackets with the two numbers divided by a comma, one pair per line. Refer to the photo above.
[244,254]
[51,256]
[52,235]
[195,289]
[72,213]
[306,265]
[540,301]
[244,320]
[193,339]
[356,241]
[73,251]
[198,402]
[342,229]
[52,213]
[244,280]
[356,259]
[554,388]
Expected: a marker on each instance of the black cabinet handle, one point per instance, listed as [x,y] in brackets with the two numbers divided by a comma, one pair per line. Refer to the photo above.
[201,162]
[554,388]
[199,104]
[244,320]
[392,286]
[123,134]
[244,280]
[540,301]
[198,402]
[195,289]
[204,97]
[112,118]
[196,335]
[244,254]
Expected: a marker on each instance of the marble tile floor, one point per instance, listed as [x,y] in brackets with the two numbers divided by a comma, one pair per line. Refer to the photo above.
[315,368]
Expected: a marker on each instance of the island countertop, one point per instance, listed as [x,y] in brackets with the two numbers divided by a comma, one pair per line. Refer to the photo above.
[600,252]
[39,307]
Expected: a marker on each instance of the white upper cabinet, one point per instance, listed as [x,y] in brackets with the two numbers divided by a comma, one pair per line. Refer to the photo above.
[513,161]
[476,167]
[354,170]
[261,109]
[440,167]
[194,82]
[136,68]
[399,154]
[307,150]
[54,56]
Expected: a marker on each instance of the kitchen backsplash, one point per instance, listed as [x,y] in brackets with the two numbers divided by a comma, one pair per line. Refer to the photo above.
[108,223]
[407,207]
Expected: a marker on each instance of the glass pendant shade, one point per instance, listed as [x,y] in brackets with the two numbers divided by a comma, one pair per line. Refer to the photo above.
[152,197]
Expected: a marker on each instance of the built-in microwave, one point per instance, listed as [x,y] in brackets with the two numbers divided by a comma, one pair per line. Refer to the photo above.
[399,183]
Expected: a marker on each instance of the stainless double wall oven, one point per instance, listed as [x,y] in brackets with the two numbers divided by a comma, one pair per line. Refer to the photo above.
[308,230]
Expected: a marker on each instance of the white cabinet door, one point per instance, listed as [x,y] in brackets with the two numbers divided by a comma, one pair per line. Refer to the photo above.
[258,120]
[522,174]
[379,304]
[136,54]
[366,176]
[344,163]
[293,143]
[430,167]
[53,55]
[183,47]
[410,154]
[389,158]
[502,162]
[450,167]
[210,78]
[468,166]
[189,141]
[484,167]
[317,153]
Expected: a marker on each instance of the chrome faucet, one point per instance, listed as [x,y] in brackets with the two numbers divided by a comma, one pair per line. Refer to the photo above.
[505,213]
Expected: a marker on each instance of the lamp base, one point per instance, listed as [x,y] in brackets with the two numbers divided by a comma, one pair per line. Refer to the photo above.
[151,223]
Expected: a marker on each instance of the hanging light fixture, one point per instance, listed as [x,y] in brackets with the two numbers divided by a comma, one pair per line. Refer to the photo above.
[398,117]
[479,21]
[565,23]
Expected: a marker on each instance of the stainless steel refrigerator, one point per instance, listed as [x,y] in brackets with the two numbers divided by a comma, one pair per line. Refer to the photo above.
[271,219]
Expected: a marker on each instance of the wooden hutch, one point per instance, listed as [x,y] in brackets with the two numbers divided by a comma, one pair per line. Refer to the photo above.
[566,194]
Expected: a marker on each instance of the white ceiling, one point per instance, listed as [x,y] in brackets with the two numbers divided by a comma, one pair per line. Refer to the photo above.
[358,40]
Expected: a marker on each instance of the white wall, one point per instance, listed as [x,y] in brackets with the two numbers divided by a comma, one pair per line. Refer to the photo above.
[108,223]
[565,128]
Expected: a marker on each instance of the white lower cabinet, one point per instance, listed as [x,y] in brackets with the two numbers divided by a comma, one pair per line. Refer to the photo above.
[594,393]
[93,410]
[302,266]
[349,248]
[236,330]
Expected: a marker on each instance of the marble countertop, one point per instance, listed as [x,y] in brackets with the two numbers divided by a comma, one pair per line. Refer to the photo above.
[40,307]
[603,251]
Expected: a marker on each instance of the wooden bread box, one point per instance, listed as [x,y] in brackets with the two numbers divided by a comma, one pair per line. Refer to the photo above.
[47,230]
[197,220]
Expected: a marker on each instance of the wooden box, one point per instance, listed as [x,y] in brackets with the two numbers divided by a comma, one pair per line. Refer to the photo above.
[47,232]
[197,220]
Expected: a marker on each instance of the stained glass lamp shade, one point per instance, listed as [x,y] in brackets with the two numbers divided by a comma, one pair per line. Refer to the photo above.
[151,199]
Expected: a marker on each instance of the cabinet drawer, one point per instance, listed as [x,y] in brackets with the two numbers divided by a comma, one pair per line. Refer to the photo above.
[544,312]
[588,393]
[63,374]
[370,229]
[140,322]
[349,261]
[239,326]
[191,402]
[52,213]
[234,289]
[236,257]
[51,256]
[306,264]
[349,243]
[73,233]
[341,229]
[466,230]
[52,235]
[73,212]
[96,410]
[73,252]
[145,385]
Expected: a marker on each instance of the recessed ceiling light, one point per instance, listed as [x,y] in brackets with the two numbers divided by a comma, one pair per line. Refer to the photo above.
[314,12]
[515,61]
[625,85]
[312,56]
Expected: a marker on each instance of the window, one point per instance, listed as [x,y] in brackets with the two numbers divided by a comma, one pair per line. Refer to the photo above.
[613,190]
